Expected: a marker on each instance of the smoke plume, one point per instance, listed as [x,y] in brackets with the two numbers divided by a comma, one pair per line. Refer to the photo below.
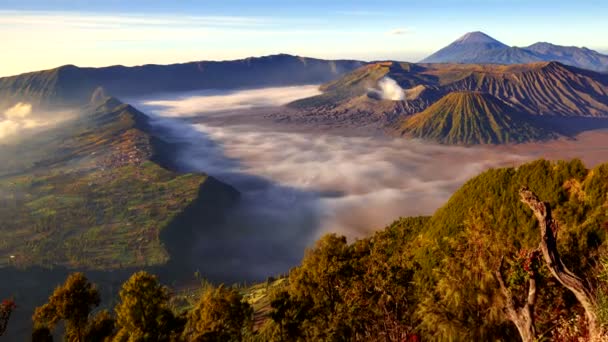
[389,89]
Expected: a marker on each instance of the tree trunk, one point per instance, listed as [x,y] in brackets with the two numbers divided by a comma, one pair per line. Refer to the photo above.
[548,245]
[523,318]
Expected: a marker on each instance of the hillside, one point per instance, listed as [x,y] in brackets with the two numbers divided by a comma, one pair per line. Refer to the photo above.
[97,193]
[69,85]
[479,48]
[472,118]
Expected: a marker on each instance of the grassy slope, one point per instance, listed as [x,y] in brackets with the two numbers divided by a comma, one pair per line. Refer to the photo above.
[90,196]
[472,118]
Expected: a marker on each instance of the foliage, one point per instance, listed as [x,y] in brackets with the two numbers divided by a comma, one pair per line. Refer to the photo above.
[435,276]
[143,313]
[220,315]
[341,292]
[6,309]
[72,303]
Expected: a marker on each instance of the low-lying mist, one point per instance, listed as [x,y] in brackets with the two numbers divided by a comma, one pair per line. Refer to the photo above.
[215,100]
[23,119]
[297,186]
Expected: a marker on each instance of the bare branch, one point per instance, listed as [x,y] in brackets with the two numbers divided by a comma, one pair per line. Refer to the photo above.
[548,245]
[523,318]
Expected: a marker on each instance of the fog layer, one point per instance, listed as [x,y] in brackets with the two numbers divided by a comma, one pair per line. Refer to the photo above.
[21,118]
[297,186]
[213,101]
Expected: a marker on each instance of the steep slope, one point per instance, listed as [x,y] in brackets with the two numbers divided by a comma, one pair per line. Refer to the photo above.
[73,85]
[547,88]
[479,48]
[94,194]
[472,118]
[470,47]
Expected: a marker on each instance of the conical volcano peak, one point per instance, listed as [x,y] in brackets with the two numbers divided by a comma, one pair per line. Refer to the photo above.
[478,37]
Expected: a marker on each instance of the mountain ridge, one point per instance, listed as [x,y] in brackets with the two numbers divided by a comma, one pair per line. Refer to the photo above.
[70,85]
[538,92]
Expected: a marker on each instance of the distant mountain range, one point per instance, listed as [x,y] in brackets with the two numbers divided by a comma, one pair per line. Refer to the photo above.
[479,48]
[71,85]
[493,103]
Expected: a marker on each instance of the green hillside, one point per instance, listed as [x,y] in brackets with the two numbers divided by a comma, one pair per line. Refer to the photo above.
[92,194]
[472,118]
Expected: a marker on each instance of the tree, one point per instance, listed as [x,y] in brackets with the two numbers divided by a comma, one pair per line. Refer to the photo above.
[548,246]
[42,334]
[143,313]
[288,315]
[72,303]
[6,309]
[327,271]
[221,315]
[100,327]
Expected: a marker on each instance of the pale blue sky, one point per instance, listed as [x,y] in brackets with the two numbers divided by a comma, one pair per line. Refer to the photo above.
[40,34]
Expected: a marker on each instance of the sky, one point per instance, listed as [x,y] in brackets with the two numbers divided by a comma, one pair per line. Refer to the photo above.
[43,34]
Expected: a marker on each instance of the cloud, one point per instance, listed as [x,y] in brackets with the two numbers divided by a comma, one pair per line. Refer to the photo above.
[92,20]
[18,112]
[21,118]
[15,119]
[365,13]
[399,31]
[209,101]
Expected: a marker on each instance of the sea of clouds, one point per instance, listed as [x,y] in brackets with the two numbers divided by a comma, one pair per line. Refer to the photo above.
[297,186]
